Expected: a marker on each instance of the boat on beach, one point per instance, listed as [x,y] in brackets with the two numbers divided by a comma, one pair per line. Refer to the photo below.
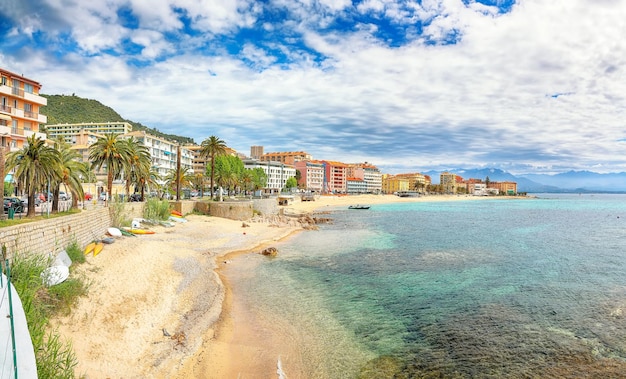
[359,207]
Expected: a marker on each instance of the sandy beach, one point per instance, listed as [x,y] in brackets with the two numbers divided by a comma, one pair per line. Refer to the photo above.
[158,305]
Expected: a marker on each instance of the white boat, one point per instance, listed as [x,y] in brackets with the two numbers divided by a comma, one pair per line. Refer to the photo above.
[26,367]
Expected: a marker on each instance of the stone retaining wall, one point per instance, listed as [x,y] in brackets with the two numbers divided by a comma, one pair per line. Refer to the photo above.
[234,210]
[50,236]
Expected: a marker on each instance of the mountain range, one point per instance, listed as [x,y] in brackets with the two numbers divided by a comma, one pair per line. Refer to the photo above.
[571,181]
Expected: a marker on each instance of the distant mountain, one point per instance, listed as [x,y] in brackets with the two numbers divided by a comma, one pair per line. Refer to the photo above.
[572,181]
[583,181]
[62,109]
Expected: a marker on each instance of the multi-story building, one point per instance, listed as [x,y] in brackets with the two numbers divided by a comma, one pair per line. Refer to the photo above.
[394,183]
[20,103]
[311,175]
[287,157]
[508,188]
[369,174]
[277,173]
[199,163]
[335,178]
[417,181]
[69,131]
[448,181]
[256,152]
[164,153]
[356,186]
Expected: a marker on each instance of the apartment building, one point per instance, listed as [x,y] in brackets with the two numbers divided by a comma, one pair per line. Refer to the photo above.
[69,131]
[355,186]
[277,173]
[335,178]
[164,153]
[287,157]
[311,175]
[256,152]
[508,188]
[20,103]
[370,175]
[394,183]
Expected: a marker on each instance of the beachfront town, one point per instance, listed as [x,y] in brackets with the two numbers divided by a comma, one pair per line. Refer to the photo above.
[20,118]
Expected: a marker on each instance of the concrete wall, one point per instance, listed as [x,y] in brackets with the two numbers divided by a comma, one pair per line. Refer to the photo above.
[266,207]
[234,210]
[55,234]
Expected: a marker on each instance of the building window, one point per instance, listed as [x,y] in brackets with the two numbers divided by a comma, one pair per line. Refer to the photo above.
[14,127]
[28,88]
[4,81]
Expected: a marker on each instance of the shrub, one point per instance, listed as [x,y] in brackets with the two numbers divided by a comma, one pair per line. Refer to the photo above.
[156,210]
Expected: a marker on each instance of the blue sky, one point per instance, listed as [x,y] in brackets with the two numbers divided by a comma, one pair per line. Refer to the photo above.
[528,86]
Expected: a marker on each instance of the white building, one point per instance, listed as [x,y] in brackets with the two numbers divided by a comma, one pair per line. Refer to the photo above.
[164,153]
[69,132]
[277,173]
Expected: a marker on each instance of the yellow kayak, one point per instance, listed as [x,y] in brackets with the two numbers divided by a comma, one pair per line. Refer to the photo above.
[141,231]
[98,248]
[89,248]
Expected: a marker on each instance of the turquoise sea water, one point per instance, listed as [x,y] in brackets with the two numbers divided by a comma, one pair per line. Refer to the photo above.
[465,289]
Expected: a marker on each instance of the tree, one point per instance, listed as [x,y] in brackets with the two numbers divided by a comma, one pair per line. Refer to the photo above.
[211,148]
[185,178]
[137,166]
[298,177]
[228,171]
[112,152]
[259,178]
[291,183]
[35,164]
[70,170]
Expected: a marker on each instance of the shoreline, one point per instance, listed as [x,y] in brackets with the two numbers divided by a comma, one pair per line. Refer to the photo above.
[165,301]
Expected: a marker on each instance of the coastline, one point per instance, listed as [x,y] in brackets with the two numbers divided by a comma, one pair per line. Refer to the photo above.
[161,305]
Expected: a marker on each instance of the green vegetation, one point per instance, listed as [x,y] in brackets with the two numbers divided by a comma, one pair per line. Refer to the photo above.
[55,357]
[155,209]
[212,147]
[62,109]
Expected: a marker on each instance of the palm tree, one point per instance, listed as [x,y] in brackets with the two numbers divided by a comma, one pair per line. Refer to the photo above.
[211,148]
[198,182]
[112,152]
[35,164]
[137,167]
[70,175]
[185,177]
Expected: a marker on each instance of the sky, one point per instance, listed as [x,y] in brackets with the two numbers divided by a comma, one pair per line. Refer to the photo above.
[526,86]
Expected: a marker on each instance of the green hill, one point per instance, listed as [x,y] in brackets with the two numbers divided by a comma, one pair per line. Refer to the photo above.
[62,109]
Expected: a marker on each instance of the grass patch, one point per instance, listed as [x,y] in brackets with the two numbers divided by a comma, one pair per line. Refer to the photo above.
[55,357]
[22,219]
[155,209]
[75,253]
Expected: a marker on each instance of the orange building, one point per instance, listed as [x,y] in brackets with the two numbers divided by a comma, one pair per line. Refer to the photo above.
[287,157]
[20,103]
[507,188]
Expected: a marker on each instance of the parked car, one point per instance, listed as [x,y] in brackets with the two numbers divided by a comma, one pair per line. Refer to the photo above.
[13,203]
[103,196]
[88,196]
[64,196]
[135,197]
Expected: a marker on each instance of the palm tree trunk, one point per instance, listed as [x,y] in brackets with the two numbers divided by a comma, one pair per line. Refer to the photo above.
[212,173]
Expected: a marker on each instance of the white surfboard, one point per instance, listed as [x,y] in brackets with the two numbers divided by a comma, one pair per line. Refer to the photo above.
[54,275]
[114,232]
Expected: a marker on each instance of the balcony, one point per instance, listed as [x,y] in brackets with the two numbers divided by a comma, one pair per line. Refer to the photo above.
[5,90]
[28,133]
[15,91]
[33,98]
[5,108]
[5,130]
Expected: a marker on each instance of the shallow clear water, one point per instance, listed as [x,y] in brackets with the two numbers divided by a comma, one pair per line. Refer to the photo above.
[490,288]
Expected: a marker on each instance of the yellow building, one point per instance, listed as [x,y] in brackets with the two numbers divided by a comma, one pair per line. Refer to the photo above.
[394,183]
[20,103]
